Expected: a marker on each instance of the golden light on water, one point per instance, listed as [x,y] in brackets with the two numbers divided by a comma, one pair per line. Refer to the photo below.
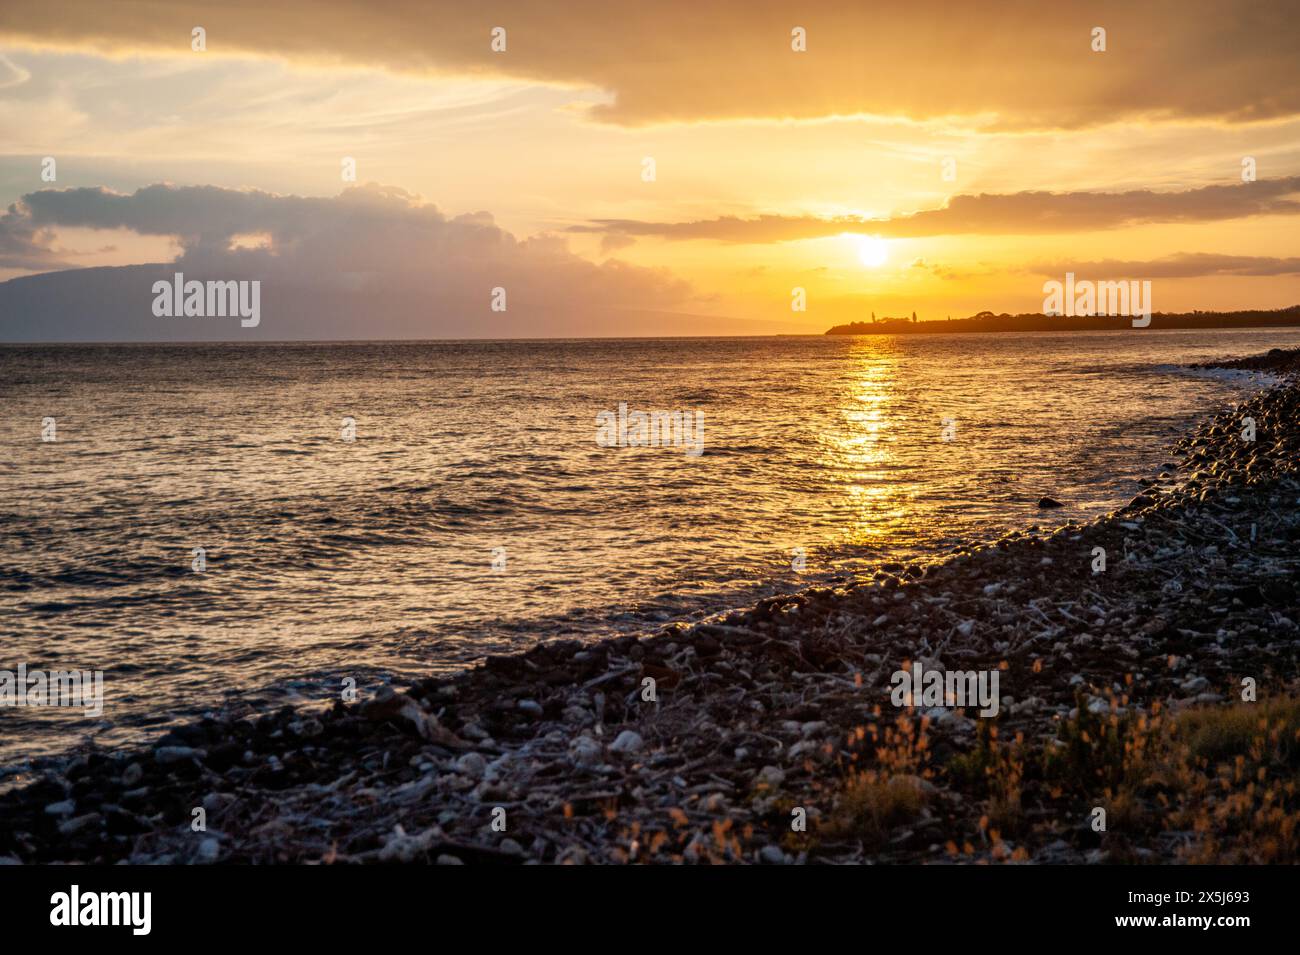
[862,450]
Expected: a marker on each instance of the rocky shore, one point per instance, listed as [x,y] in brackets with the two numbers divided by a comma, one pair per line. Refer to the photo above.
[1156,684]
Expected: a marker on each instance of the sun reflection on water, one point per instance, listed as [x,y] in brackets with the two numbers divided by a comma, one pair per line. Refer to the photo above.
[862,450]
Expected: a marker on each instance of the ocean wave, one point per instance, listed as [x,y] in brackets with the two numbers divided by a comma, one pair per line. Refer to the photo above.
[1263,379]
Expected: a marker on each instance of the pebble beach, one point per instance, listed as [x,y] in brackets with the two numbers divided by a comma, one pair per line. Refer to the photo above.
[1156,684]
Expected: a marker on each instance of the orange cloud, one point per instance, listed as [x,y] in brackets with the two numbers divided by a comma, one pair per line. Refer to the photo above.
[1017,64]
[992,214]
[1180,266]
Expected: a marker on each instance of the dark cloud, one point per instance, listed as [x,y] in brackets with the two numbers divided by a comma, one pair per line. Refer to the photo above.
[993,214]
[382,259]
[23,245]
[1014,64]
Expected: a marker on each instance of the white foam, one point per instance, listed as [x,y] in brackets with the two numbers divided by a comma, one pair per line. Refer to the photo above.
[1247,376]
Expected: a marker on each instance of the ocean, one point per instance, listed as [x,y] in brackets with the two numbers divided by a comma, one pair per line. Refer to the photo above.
[243,525]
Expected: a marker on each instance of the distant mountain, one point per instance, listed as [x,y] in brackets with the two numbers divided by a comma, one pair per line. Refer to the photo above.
[1038,322]
[115,304]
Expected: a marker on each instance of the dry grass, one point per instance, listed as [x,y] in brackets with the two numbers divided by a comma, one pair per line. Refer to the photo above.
[1223,734]
[1216,784]
[995,770]
[1221,780]
[890,793]
[1244,804]
[874,804]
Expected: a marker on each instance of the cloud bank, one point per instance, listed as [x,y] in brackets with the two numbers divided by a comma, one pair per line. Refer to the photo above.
[1183,265]
[992,214]
[1010,64]
[371,262]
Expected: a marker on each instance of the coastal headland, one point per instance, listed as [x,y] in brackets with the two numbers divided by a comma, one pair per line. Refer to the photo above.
[1038,322]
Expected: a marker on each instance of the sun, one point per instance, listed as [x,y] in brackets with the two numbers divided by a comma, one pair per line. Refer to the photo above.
[872,251]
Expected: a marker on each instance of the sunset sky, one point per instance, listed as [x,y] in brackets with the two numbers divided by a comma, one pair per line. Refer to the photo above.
[524,168]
